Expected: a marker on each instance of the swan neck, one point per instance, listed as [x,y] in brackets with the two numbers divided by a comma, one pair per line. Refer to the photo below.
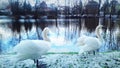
[45,35]
[97,31]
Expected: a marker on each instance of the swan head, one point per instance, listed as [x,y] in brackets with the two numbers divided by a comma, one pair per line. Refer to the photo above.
[99,27]
[46,30]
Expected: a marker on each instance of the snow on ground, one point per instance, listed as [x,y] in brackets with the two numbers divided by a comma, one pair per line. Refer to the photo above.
[101,60]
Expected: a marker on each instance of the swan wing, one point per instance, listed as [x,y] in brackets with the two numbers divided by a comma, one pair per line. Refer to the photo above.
[43,46]
[81,41]
[32,46]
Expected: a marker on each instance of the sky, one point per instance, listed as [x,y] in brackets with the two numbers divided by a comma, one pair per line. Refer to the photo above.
[62,2]
[56,2]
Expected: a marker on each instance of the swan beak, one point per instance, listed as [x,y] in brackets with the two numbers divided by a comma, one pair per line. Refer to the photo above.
[103,27]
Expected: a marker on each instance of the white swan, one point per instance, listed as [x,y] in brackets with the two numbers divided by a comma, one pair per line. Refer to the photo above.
[90,43]
[33,49]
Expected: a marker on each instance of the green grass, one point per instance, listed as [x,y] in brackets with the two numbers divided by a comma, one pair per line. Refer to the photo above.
[110,51]
[69,53]
[72,53]
[62,53]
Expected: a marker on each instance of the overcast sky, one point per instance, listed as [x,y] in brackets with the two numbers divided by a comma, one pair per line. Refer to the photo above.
[56,2]
[62,2]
